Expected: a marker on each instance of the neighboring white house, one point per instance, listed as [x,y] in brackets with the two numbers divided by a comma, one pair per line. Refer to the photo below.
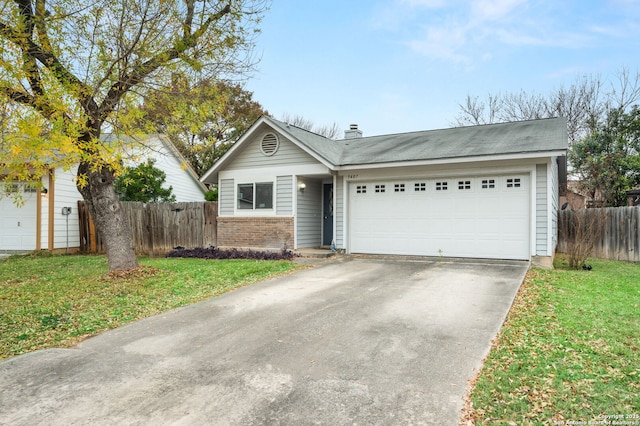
[41,223]
[480,191]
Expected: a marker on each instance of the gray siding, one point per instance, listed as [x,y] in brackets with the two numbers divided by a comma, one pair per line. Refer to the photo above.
[339,212]
[541,210]
[287,154]
[226,197]
[284,195]
[309,216]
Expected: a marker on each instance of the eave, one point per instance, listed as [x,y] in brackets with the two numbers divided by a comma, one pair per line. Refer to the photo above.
[453,160]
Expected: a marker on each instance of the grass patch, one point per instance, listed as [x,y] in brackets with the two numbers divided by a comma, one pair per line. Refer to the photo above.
[56,301]
[569,351]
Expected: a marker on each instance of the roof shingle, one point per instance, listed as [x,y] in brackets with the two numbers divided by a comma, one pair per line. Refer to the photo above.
[522,137]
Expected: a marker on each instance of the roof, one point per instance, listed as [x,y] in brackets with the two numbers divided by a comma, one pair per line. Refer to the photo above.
[329,149]
[513,138]
[147,142]
[520,137]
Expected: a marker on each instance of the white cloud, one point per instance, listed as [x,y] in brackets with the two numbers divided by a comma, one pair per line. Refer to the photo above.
[443,42]
[492,10]
[463,32]
[430,4]
[468,31]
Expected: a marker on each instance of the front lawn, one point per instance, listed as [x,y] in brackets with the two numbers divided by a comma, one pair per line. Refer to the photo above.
[569,353]
[56,301]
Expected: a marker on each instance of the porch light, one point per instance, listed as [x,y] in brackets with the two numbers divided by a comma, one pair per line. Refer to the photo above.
[302,187]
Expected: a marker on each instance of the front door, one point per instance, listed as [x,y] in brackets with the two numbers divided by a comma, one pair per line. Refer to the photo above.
[327,214]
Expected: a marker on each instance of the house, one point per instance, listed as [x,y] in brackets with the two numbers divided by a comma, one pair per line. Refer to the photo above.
[633,197]
[482,191]
[573,198]
[48,220]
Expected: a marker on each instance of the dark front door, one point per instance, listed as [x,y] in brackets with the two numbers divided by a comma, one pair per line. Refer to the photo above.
[327,214]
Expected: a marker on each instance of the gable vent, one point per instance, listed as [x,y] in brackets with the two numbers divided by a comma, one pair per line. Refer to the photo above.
[269,144]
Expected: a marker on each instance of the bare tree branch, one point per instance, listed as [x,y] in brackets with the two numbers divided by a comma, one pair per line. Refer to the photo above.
[188,41]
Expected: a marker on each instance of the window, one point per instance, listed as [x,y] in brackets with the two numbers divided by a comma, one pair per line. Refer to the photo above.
[421,186]
[398,187]
[24,187]
[264,195]
[361,189]
[464,184]
[513,183]
[441,186]
[488,183]
[255,196]
[380,188]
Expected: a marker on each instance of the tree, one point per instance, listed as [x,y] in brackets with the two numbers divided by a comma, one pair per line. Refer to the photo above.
[608,160]
[580,231]
[68,68]
[202,120]
[584,104]
[144,183]
[328,131]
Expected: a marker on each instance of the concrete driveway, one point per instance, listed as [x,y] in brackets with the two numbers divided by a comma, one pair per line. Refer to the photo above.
[352,341]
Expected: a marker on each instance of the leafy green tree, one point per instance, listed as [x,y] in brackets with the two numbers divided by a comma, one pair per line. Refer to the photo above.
[211,195]
[202,120]
[608,160]
[69,68]
[144,183]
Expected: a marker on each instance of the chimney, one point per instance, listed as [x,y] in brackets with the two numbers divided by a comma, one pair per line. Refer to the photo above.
[353,132]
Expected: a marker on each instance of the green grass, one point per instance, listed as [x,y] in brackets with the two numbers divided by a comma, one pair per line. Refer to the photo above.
[569,351]
[56,301]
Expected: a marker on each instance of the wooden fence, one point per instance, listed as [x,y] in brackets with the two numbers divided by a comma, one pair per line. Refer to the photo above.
[621,239]
[157,228]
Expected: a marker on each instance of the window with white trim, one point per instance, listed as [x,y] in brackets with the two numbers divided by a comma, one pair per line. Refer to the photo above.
[488,183]
[464,184]
[398,187]
[255,196]
[380,188]
[16,187]
[513,183]
[420,186]
[441,186]
[361,189]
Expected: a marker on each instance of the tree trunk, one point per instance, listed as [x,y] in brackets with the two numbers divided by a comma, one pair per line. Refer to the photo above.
[111,222]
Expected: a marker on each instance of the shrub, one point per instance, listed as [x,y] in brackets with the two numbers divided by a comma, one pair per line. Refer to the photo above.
[581,229]
[211,195]
[216,253]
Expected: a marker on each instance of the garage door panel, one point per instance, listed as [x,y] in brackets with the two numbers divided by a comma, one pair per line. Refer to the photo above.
[18,224]
[468,222]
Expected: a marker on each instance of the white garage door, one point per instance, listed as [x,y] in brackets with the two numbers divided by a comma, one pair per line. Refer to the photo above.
[18,224]
[484,217]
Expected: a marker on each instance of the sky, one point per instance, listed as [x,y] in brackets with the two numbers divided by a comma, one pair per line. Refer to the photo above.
[395,66]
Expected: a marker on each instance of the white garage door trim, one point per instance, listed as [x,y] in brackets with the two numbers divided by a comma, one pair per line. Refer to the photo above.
[466,216]
[18,225]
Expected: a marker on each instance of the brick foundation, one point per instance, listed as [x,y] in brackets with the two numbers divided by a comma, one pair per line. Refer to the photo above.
[255,232]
